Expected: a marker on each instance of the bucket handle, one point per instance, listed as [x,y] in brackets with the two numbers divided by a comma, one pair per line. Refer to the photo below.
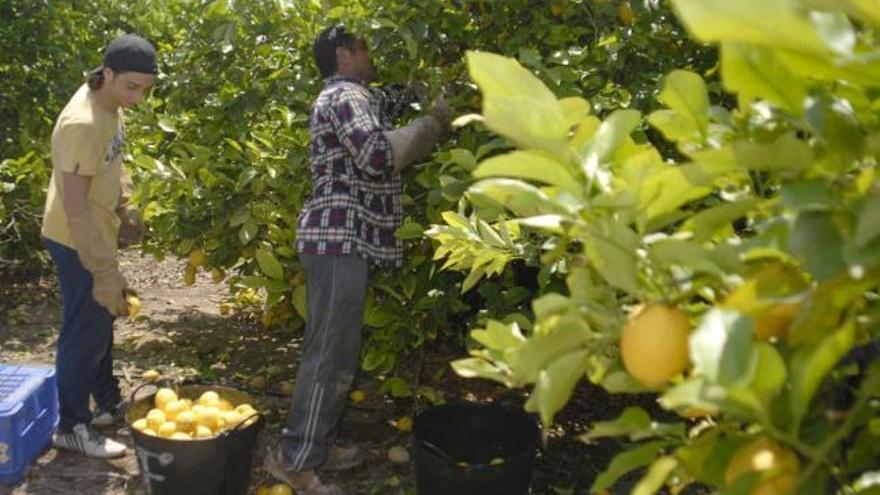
[157,383]
[437,451]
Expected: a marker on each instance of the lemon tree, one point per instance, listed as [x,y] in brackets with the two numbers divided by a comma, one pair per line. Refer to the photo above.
[757,225]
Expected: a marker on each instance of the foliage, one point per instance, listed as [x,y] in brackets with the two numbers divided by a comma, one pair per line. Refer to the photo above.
[771,206]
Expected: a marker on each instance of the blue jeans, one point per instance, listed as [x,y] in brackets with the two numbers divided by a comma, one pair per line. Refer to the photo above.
[84,358]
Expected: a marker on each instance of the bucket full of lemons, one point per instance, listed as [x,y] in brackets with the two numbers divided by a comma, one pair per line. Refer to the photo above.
[194,439]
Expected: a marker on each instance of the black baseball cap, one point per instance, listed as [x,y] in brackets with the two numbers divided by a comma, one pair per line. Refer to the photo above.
[130,53]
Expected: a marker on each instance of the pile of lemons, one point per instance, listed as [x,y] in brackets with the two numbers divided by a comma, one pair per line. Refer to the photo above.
[187,419]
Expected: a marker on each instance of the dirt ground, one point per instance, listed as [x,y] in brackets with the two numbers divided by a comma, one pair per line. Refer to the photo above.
[181,333]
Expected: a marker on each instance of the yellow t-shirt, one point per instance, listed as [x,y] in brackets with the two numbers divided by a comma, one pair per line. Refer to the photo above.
[87,140]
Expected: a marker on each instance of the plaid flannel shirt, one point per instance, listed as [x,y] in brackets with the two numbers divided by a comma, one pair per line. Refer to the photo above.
[354,206]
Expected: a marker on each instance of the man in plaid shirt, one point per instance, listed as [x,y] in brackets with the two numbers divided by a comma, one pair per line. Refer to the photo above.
[347,225]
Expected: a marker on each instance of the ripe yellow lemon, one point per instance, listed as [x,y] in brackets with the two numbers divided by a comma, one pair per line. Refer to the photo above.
[155,419]
[653,344]
[224,405]
[208,417]
[280,489]
[225,308]
[140,424]
[203,432]
[765,454]
[164,396]
[186,421]
[404,423]
[149,431]
[167,429]
[210,399]
[179,435]
[357,396]
[134,305]
[173,408]
[151,376]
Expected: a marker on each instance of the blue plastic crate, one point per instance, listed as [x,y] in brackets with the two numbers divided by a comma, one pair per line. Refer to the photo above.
[28,417]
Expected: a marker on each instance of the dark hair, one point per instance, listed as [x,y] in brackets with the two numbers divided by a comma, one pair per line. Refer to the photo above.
[96,79]
[326,44]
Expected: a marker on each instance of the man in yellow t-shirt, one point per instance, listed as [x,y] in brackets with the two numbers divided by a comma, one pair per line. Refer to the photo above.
[80,228]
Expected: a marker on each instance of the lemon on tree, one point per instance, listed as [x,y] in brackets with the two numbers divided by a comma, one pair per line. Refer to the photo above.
[653,344]
[779,467]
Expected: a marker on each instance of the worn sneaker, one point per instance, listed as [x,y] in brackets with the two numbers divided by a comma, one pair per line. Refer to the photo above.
[89,442]
[109,417]
[342,458]
[303,482]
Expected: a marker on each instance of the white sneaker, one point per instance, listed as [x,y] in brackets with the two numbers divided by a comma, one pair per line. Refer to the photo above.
[110,417]
[89,442]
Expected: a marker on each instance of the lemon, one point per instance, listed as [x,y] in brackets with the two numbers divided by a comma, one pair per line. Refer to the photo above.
[225,308]
[217,276]
[232,419]
[179,435]
[357,396]
[164,396]
[245,409]
[280,489]
[173,408]
[398,455]
[189,275]
[151,376]
[224,405]
[155,419]
[186,421]
[654,344]
[167,429]
[210,399]
[197,258]
[203,432]
[404,423]
[134,305]
[761,455]
[140,424]
[149,431]
[208,417]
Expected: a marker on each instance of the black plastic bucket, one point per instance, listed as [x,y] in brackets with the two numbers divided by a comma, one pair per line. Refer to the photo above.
[466,448]
[214,466]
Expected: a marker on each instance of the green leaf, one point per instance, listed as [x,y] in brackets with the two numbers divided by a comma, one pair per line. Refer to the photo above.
[531,165]
[755,72]
[788,153]
[811,364]
[613,254]
[776,24]
[625,462]
[299,301]
[816,239]
[684,92]
[410,230]
[722,348]
[269,264]
[481,368]
[611,134]
[555,385]
[631,420]
[498,336]
[517,105]
[770,372]
[575,109]
[247,232]
[656,476]
[868,227]
[685,254]
[542,349]
[707,222]
[676,185]
[521,198]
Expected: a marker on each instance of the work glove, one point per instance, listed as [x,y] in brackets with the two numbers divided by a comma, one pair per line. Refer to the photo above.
[108,284]
[415,140]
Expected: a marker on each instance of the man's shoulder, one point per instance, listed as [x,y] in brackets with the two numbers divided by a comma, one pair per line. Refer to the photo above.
[344,89]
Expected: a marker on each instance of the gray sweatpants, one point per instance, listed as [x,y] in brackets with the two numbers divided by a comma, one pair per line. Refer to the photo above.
[336,288]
